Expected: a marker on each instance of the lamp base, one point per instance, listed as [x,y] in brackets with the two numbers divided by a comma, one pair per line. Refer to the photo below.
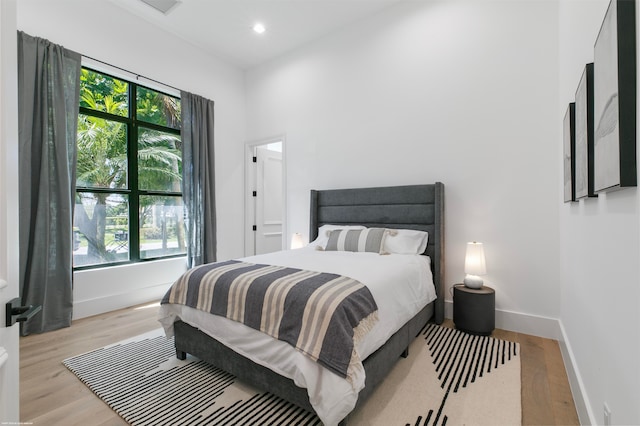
[473,281]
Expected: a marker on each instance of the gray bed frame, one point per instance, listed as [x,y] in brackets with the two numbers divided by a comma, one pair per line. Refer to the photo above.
[419,207]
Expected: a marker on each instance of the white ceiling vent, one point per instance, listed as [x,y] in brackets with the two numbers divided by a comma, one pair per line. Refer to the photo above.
[163,6]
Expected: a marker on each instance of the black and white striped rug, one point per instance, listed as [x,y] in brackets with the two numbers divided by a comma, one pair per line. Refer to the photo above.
[450,377]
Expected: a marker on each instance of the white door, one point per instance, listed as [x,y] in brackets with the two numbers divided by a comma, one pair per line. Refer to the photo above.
[9,344]
[268,235]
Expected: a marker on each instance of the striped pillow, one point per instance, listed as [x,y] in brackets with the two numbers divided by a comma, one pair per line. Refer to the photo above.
[360,240]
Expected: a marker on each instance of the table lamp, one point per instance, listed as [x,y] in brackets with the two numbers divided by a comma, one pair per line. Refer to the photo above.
[474,265]
[296,241]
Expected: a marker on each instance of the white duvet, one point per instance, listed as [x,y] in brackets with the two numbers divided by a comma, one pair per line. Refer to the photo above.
[400,284]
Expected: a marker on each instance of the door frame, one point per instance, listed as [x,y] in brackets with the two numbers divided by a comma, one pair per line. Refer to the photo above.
[249,202]
[9,200]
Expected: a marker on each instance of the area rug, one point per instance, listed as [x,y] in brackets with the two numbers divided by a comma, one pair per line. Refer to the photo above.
[449,378]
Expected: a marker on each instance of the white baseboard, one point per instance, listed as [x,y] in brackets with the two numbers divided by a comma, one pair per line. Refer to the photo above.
[585,414]
[100,305]
[520,323]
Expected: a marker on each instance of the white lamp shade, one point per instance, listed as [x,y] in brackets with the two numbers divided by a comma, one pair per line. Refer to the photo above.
[296,241]
[474,260]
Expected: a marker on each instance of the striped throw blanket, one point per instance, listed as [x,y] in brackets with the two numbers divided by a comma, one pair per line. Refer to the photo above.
[322,315]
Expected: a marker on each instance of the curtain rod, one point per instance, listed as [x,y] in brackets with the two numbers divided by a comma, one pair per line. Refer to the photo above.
[131,72]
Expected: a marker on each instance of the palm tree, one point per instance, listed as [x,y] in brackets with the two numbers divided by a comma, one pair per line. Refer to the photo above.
[102,157]
[160,168]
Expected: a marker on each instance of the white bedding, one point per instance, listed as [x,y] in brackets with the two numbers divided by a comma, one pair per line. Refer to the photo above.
[401,285]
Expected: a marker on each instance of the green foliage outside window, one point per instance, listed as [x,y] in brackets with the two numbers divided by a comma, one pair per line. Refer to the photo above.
[127,163]
[157,108]
[103,93]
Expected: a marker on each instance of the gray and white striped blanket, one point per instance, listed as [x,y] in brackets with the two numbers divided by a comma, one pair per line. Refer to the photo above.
[322,315]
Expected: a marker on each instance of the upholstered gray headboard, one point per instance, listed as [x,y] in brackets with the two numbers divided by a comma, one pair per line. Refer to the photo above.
[419,207]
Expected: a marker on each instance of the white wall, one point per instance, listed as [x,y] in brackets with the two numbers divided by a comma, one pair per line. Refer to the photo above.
[471,93]
[600,249]
[462,92]
[103,31]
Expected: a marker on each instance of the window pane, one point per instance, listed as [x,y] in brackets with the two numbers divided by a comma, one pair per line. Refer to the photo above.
[157,108]
[102,153]
[161,226]
[159,161]
[100,228]
[103,93]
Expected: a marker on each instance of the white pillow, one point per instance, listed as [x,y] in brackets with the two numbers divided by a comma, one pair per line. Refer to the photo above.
[405,241]
[324,230]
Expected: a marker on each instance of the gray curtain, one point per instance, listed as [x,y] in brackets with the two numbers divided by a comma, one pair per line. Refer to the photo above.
[198,178]
[48,90]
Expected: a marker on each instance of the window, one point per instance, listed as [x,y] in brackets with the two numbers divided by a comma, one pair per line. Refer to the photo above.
[128,174]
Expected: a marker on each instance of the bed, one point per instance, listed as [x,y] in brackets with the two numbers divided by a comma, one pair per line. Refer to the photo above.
[413,207]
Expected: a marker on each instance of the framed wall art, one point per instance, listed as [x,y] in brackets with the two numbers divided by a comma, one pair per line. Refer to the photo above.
[569,159]
[615,98]
[584,141]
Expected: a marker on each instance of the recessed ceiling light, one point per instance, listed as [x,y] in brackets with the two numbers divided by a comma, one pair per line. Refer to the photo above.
[259,28]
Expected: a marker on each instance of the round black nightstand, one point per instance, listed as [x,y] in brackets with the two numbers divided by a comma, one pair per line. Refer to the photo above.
[474,310]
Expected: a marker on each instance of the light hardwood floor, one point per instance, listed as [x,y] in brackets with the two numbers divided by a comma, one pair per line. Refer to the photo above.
[51,395]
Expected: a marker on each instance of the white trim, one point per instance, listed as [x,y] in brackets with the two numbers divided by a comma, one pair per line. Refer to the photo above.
[534,325]
[112,302]
[518,322]
[249,207]
[9,217]
[4,356]
[272,234]
[578,389]
[3,284]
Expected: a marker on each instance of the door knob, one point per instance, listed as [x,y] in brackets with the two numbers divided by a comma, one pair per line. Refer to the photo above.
[16,313]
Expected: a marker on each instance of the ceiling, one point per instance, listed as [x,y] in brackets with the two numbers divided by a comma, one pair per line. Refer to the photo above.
[224,27]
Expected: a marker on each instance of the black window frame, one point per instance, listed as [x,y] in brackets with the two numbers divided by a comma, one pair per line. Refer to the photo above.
[132,191]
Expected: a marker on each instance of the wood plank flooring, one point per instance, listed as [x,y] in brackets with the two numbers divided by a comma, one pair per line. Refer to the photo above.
[51,395]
